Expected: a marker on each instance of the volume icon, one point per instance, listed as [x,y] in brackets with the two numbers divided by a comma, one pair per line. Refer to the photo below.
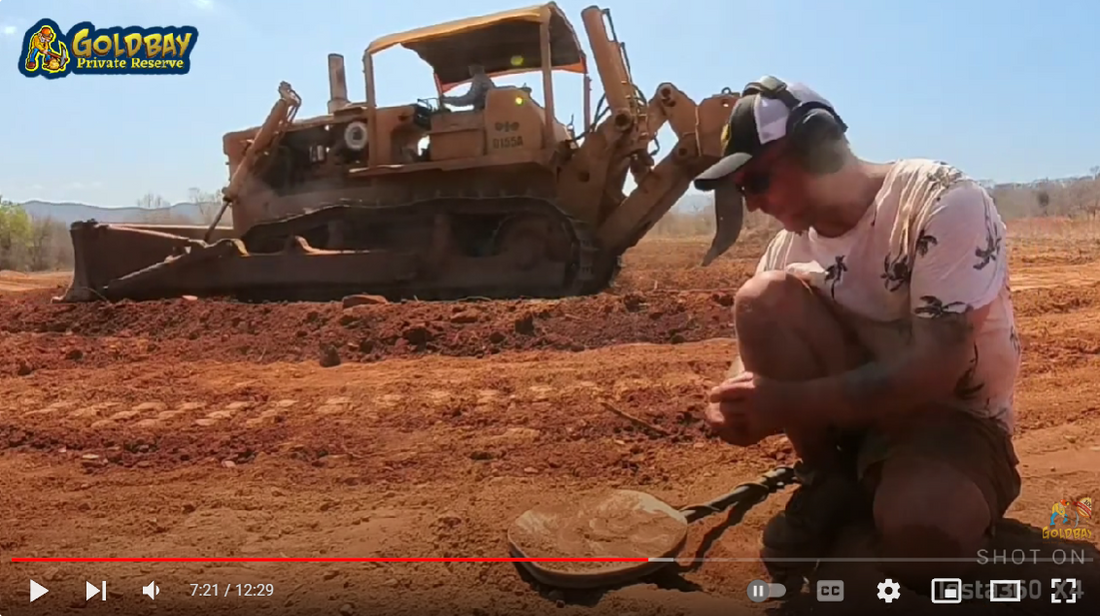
[151,590]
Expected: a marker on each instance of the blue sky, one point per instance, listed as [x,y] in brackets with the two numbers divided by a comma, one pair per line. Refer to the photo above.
[960,81]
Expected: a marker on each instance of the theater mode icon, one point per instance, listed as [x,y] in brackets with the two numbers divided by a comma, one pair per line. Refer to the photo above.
[1006,591]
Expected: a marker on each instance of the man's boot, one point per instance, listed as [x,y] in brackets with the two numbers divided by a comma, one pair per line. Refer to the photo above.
[806,529]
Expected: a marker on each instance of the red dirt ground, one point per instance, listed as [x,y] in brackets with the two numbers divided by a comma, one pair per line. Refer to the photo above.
[205,428]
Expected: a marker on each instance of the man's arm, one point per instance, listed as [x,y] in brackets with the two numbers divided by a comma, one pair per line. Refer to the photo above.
[955,278]
[478,89]
[941,352]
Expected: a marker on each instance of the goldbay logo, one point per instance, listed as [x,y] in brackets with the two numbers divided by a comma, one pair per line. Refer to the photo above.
[1069,519]
[88,50]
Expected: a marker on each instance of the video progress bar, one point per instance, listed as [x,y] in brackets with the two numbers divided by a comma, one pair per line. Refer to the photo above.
[535,560]
[327,560]
[1059,561]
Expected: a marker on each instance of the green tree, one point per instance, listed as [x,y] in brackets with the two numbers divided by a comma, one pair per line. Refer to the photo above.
[15,234]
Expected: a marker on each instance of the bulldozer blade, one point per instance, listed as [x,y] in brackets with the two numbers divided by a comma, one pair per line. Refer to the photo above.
[139,263]
[729,212]
[116,262]
[103,253]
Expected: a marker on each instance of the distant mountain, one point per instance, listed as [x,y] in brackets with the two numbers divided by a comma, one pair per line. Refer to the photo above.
[69,213]
[190,213]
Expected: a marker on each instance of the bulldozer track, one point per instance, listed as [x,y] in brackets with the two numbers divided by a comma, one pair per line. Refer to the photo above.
[589,270]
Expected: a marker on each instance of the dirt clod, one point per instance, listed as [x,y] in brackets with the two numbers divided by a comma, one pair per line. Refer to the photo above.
[418,335]
[352,301]
[466,316]
[330,357]
[525,325]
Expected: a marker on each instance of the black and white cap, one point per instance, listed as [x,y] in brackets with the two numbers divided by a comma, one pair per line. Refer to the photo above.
[755,121]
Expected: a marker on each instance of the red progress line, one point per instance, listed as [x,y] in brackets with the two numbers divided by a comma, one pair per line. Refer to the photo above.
[328,560]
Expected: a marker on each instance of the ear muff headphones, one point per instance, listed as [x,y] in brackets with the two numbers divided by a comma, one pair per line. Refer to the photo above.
[809,125]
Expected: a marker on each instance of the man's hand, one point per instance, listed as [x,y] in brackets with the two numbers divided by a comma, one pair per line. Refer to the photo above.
[746,408]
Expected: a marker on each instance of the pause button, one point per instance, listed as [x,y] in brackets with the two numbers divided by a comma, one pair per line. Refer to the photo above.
[760,590]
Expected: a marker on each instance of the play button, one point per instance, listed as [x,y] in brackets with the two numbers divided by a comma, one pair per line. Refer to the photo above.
[37,590]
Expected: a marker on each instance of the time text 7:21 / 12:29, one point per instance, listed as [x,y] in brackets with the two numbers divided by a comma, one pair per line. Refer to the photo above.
[232,590]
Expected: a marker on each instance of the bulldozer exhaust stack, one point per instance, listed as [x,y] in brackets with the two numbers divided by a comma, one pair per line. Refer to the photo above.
[337,83]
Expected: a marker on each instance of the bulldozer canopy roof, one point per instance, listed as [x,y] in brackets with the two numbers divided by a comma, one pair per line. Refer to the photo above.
[503,43]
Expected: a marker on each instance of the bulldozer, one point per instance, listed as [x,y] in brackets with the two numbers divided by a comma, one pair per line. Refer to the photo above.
[422,201]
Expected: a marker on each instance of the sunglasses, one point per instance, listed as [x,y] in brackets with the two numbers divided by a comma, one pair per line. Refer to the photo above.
[757,181]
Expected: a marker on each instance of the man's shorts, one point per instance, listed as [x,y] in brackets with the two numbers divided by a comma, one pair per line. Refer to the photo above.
[978,448]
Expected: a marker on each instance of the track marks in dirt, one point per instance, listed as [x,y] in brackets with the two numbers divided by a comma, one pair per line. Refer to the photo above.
[40,283]
[513,415]
[154,414]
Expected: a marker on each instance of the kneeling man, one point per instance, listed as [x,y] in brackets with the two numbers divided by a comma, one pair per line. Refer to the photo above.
[877,334]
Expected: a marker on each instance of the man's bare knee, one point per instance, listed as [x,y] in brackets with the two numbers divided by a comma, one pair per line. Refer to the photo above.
[786,331]
[769,297]
[769,336]
[926,509]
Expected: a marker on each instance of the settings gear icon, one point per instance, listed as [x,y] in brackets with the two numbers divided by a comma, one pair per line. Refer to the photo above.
[889,590]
